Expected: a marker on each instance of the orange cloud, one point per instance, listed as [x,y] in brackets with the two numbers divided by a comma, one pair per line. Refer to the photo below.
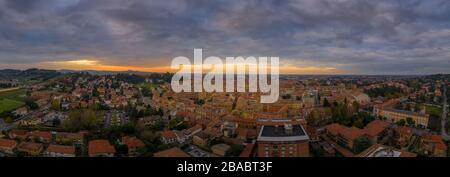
[96,64]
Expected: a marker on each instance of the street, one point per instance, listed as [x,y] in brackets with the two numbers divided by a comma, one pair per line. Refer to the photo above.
[444,114]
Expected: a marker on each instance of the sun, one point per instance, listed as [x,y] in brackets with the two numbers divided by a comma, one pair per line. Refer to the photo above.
[82,62]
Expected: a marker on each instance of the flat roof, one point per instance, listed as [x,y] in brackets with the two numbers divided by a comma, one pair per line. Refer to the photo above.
[279,133]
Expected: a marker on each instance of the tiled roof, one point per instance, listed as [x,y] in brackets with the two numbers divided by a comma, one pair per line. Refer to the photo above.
[43,134]
[132,142]
[168,135]
[172,152]
[375,127]
[100,146]
[7,143]
[61,149]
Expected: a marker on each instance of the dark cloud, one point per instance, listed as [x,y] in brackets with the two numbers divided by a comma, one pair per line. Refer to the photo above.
[359,36]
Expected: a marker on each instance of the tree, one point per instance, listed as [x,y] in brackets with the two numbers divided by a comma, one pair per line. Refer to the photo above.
[326,103]
[401,123]
[361,144]
[410,121]
[122,149]
[56,105]
[56,122]
[359,123]
[31,104]
[235,150]
[81,119]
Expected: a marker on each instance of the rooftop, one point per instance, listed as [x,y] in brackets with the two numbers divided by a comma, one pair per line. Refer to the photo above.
[61,149]
[172,152]
[288,132]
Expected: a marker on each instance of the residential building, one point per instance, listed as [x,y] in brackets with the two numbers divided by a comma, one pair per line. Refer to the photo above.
[54,150]
[220,149]
[7,146]
[31,149]
[101,148]
[133,144]
[283,141]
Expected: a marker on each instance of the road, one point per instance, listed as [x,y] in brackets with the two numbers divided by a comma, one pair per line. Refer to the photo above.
[444,113]
[9,89]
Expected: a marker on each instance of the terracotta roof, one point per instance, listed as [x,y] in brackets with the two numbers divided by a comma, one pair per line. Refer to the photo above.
[30,146]
[7,143]
[440,144]
[172,152]
[350,134]
[61,149]
[100,146]
[19,132]
[375,127]
[43,134]
[132,142]
[194,128]
[168,135]
[403,130]
[408,154]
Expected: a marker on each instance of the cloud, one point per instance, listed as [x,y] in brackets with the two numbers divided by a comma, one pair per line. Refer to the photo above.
[351,36]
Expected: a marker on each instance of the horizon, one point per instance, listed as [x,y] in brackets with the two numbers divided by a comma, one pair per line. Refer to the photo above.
[281,74]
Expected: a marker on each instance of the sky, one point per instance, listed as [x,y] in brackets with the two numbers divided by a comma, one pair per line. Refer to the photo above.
[309,36]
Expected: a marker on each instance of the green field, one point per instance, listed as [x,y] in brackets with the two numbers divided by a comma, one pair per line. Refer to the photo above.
[10,100]
[434,110]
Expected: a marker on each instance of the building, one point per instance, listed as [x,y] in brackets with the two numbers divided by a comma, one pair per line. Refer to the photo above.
[283,141]
[377,130]
[133,144]
[433,145]
[342,135]
[168,137]
[402,136]
[310,98]
[7,146]
[41,136]
[248,151]
[220,149]
[193,130]
[378,150]
[54,150]
[31,149]
[18,134]
[387,111]
[101,148]
[69,138]
[172,152]
[200,139]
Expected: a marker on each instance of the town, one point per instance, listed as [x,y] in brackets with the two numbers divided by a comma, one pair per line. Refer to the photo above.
[125,114]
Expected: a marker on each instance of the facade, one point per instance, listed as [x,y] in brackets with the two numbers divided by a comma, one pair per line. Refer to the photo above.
[283,141]
[387,111]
